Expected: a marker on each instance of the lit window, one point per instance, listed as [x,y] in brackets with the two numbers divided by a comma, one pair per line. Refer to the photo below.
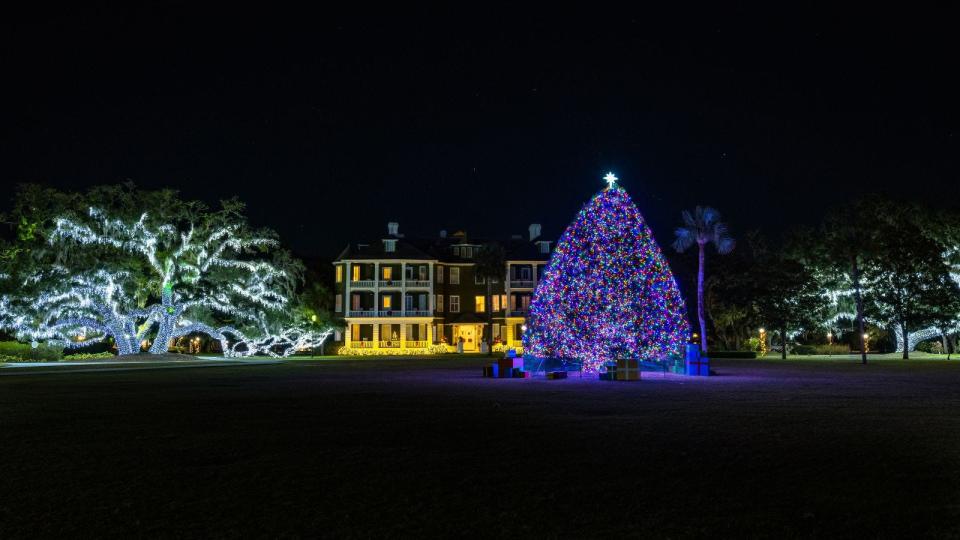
[339,303]
[387,273]
[495,302]
[387,302]
[339,273]
[454,276]
[454,304]
[481,304]
[439,274]
[355,332]
[439,302]
[356,273]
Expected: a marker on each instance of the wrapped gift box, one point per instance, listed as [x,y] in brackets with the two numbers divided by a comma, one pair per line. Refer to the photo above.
[557,375]
[510,363]
[699,367]
[628,369]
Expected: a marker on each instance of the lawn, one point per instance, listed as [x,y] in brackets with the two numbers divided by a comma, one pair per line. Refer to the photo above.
[426,447]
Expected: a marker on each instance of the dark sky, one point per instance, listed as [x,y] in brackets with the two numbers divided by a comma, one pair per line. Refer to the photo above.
[331,124]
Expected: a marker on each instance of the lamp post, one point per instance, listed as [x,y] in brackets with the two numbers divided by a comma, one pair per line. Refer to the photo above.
[866,343]
[829,343]
[763,341]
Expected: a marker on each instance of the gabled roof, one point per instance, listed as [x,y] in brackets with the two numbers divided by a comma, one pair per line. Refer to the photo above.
[377,251]
[441,249]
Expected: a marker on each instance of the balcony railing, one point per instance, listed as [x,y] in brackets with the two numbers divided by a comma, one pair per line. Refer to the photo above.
[416,344]
[393,344]
[386,283]
[390,313]
[522,283]
[517,313]
[362,283]
[361,344]
[418,283]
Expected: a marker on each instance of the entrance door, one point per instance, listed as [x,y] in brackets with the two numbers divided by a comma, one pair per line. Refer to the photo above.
[469,334]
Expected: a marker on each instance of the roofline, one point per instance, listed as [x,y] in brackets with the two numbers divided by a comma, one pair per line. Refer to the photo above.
[338,261]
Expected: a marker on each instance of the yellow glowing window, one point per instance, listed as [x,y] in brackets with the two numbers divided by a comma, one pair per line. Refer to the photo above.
[339,273]
[387,273]
[387,302]
[481,304]
[355,332]
[356,273]
[495,302]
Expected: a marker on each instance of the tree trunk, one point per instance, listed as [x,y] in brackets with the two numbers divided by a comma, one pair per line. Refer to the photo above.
[489,308]
[783,341]
[700,306]
[855,275]
[906,340]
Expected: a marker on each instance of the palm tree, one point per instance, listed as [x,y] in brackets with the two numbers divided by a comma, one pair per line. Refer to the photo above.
[703,227]
[491,265]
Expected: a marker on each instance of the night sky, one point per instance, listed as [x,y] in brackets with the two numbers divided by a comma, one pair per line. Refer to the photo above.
[486,120]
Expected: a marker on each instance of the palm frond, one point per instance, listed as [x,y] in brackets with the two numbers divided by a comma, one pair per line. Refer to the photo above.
[725,245]
[685,237]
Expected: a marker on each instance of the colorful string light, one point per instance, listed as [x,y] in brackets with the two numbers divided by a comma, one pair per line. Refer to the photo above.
[608,291]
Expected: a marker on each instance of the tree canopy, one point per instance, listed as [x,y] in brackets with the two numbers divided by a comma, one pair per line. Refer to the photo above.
[138,266]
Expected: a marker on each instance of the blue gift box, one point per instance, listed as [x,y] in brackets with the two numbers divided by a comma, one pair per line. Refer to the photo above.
[699,367]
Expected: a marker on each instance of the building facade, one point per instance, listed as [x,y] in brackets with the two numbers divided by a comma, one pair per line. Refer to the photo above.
[418,296]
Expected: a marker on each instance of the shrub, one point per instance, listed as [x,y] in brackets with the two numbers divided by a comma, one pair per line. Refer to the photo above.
[731,354]
[88,356]
[932,346]
[752,344]
[803,349]
[837,348]
[14,351]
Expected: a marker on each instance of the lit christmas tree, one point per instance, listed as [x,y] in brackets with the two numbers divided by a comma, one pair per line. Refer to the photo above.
[608,292]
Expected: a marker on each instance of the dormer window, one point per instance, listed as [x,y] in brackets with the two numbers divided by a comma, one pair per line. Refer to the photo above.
[389,246]
[544,246]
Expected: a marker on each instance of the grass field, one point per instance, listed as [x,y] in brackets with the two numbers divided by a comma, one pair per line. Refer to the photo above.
[426,447]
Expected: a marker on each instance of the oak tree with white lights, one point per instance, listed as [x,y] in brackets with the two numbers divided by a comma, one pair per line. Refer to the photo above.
[140,266]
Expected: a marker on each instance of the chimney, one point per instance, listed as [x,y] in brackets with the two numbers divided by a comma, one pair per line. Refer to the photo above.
[443,233]
[534,231]
[392,228]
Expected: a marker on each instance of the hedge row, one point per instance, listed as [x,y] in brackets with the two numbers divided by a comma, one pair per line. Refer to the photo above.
[14,351]
[731,354]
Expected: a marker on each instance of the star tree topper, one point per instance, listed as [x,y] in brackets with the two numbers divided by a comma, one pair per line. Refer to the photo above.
[611,180]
